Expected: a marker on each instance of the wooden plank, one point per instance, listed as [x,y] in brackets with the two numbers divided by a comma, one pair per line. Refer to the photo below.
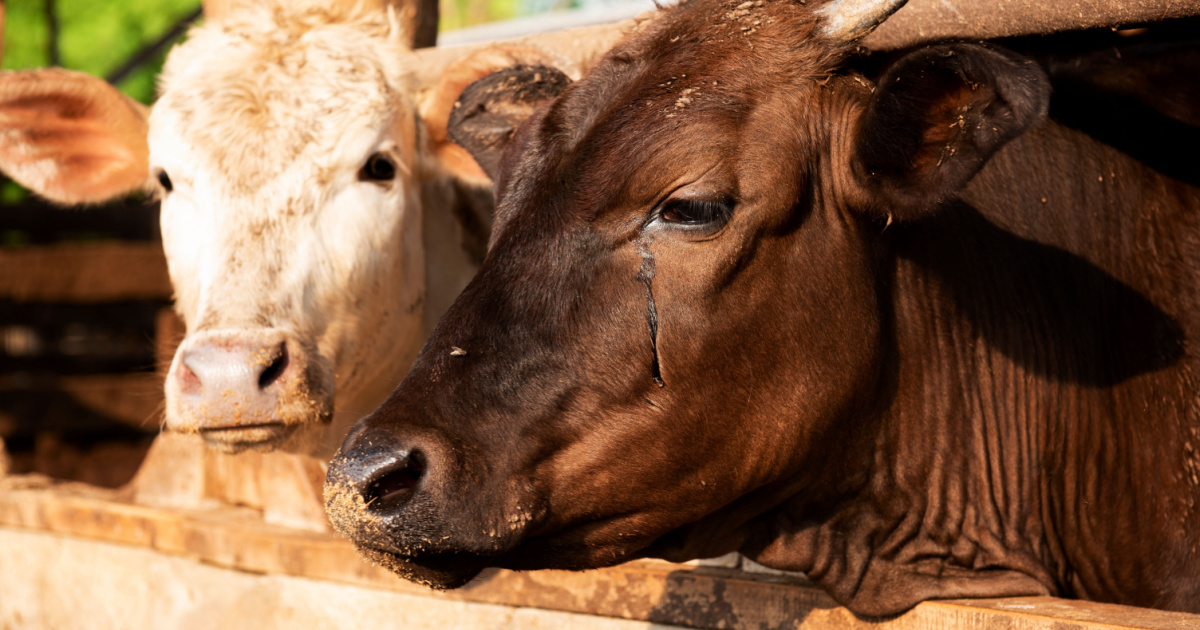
[85,272]
[918,22]
[575,50]
[651,591]
[80,583]
[930,20]
[133,399]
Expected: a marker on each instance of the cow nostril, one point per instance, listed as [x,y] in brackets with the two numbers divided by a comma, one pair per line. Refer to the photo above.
[275,368]
[396,485]
[188,380]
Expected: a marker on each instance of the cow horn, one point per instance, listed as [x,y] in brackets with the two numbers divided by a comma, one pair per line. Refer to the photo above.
[848,21]
[419,18]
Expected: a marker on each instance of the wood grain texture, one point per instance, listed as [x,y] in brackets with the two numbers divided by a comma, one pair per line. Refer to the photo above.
[651,591]
[930,20]
[134,399]
[79,583]
[918,22]
[85,272]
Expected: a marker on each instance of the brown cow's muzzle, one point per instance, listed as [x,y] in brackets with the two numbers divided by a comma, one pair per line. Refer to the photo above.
[391,501]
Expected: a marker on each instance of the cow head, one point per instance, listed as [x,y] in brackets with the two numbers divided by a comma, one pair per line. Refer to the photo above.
[289,156]
[678,312]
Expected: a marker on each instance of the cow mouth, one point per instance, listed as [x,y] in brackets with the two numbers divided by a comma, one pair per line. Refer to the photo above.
[440,571]
[261,436]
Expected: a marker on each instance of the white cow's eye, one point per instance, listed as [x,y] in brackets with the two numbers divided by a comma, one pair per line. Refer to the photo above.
[165,181]
[379,168]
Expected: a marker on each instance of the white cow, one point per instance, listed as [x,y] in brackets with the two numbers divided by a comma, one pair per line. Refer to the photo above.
[311,231]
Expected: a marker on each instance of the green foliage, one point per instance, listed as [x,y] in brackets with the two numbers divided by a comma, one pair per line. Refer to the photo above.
[95,36]
[461,13]
[456,14]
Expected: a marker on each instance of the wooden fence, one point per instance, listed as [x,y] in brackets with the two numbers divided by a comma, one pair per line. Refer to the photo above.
[84,295]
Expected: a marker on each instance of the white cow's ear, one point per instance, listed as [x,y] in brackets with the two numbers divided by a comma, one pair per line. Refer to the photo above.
[442,104]
[71,137]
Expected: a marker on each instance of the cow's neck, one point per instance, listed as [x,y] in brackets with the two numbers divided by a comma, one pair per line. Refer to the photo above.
[1038,431]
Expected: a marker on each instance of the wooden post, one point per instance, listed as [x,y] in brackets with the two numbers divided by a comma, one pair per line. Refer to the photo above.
[52,37]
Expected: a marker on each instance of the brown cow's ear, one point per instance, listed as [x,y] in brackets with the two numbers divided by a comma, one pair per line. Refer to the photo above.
[491,109]
[937,116]
[440,102]
[71,137]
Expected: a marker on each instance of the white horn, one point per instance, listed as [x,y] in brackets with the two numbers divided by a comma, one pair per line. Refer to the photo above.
[851,20]
[419,18]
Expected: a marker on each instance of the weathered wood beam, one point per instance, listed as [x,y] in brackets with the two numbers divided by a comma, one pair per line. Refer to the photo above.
[923,21]
[133,399]
[79,583]
[930,20]
[85,273]
[653,591]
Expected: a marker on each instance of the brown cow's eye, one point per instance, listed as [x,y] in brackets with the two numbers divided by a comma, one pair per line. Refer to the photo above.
[165,181]
[695,211]
[379,168]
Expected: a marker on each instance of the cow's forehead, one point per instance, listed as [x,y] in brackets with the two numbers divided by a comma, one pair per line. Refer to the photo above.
[730,52]
[682,85]
[276,91]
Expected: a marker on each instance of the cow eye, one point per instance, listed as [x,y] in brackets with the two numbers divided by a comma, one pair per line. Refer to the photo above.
[379,168]
[165,181]
[695,211]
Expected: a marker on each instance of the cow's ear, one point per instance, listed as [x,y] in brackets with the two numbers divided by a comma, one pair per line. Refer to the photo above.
[936,117]
[444,103]
[491,109]
[71,137]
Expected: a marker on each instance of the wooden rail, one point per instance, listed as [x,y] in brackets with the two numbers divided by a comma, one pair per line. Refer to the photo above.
[931,20]
[85,273]
[133,399]
[650,591]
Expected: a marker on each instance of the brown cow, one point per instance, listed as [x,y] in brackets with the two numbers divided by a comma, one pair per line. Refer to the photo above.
[910,338]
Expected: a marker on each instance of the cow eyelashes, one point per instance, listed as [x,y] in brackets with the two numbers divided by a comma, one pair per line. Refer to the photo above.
[695,212]
[165,181]
[379,168]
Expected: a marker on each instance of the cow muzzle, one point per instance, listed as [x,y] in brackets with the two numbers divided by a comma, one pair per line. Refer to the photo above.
[243,388]
[392,502]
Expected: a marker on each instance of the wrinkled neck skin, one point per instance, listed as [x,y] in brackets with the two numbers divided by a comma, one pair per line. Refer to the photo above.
[1035,427]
